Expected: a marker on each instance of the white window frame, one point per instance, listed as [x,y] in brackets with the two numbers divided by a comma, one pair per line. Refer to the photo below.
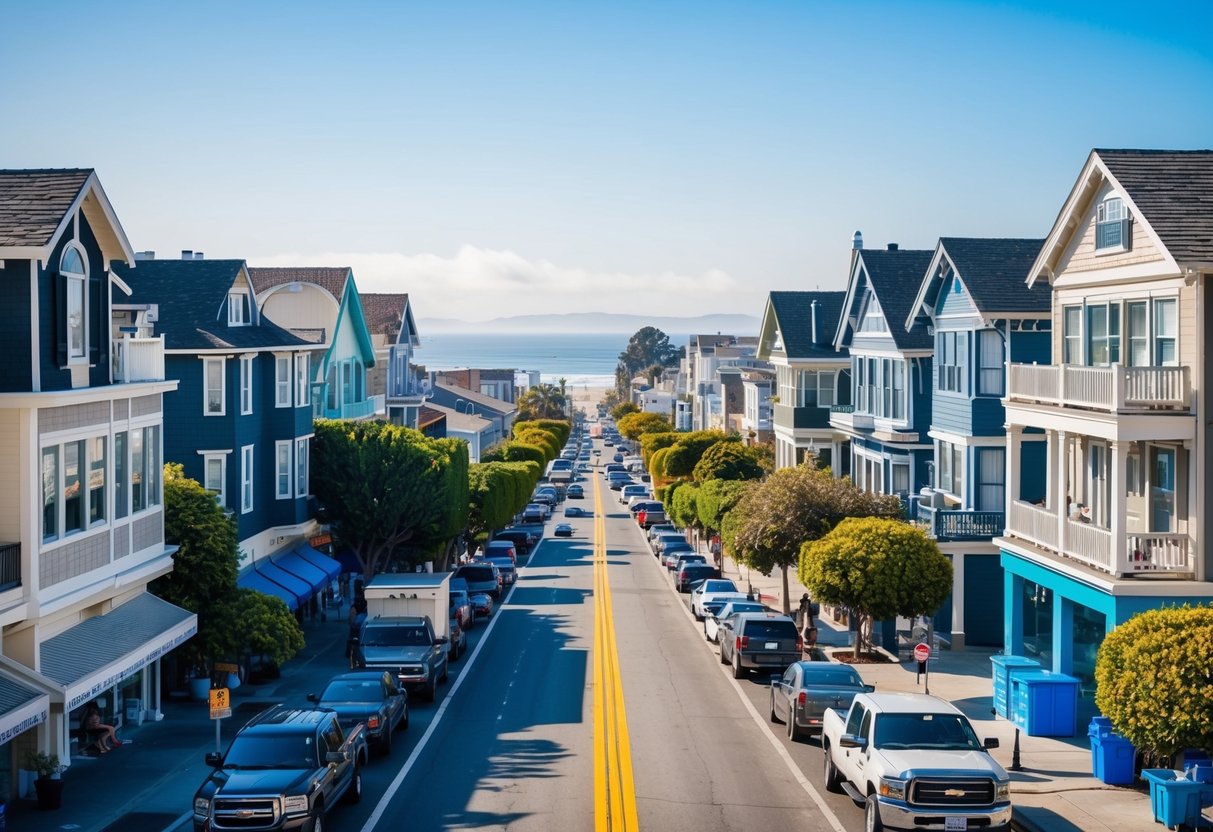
[77,289]
[284,474]
[303,466]
[303,379]
[247,459]
[206,388]
[1113,213]
[246,384]
[221,457]
[235,308]
[991,363]
[1158,338]
[1072,343]
[282,380]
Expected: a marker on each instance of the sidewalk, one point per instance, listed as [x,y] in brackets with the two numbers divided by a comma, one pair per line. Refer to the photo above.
[147,784]
[1055,791]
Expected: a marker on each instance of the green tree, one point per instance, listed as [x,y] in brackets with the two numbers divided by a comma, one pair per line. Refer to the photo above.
[634,425]
[682,505]
[728,461]
[511,451]
[256,624]
[649,346]
[623,409]
[716,498]
[878,568]
[651,443]
[771,521]
[543,401]
[689,448]
[386,486]
[1154,680]
[497,491]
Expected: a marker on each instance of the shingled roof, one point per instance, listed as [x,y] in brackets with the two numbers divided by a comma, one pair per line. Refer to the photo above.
[330,278]
[995,270]
[33,203]
[895,276]
[1173,190]
[191,296]
[794,316]
[383,311]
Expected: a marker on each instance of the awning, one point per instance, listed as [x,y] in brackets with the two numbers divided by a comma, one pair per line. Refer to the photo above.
[349,561]
[21,707]
[329,566]
[100,652]
[253,579]
[301,569]
[301,588]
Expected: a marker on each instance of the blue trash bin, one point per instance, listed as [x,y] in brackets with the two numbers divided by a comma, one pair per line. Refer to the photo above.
[1174,800]
[1004,667]
[1112,756]
[1045,704]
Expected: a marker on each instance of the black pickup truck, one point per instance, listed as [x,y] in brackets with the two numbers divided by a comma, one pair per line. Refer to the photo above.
[285,769]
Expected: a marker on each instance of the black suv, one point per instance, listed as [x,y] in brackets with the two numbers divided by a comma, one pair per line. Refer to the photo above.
[755,640]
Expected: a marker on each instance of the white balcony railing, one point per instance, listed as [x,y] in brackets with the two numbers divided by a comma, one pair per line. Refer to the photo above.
[1136,553]
[138,359]
[1114,389]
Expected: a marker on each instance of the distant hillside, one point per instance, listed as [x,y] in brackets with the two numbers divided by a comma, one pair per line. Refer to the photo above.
[598,322]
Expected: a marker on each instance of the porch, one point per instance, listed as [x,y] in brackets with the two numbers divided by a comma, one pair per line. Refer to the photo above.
[137,359]
[354,410]
[1113,389]
[843,417]
[403,380]
[946,525]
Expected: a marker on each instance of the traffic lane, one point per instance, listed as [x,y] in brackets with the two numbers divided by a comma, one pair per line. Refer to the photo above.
[513,748]
[701,762]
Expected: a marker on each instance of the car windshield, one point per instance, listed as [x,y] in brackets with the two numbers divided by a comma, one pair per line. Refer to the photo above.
[719,586]
[257,751]
[832,677]
[733,608]
[341,690]
[477,574]
[770,629]
[396,637]
[925,731]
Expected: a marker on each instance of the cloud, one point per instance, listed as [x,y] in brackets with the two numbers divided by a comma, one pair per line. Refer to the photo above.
[479,284]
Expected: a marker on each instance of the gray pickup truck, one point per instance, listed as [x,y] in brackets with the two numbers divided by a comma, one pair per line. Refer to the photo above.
[407,647]
[284,771]
[806,690]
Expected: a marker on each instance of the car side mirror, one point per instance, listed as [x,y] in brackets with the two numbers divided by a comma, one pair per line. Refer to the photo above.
[869,688]
[990,742]
[853,741]
[214,759]
[311,697]
[335,757]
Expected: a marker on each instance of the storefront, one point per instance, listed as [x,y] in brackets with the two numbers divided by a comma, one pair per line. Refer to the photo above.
[22,708]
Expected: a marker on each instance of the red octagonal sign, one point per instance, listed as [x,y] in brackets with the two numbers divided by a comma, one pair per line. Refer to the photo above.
[922,652]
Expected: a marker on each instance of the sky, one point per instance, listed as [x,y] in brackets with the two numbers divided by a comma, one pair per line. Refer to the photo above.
[505,158]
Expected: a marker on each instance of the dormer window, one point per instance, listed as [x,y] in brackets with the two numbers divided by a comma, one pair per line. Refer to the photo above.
[75,279]
[1112,225]
[235,309]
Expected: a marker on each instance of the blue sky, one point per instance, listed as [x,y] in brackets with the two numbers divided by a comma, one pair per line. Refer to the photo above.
[503,157]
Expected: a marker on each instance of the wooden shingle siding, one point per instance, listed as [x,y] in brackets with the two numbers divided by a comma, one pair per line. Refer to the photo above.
[145,405]
[74,558]
[10,460]
[1080,255]
[1189,327]
[73,416]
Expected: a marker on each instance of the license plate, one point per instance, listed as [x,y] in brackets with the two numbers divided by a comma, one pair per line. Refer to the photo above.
[772,645]
[954,824]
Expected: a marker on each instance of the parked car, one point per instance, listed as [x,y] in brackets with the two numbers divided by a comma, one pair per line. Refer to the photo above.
[689,574]
[660,528]
[564,530]
[666,538]
[806,690]
[635,490]
[709,591]
[617,481]
[457,638]
[535,513]
[370,698]
[759,640]
[482,604]
[481,577]
[406,646]
[577,511]
[461,607]
[575,492]
[672,552]
[501,549]
[711,622]
[505,567]
[522,539]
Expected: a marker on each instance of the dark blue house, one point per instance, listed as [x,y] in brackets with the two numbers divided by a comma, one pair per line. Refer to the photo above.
[240,421]
[975,301]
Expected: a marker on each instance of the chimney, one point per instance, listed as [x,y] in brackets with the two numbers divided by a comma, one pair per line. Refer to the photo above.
[813,320]
[186,254]
[857,241]
[145,255]
[197,255]
[893,246]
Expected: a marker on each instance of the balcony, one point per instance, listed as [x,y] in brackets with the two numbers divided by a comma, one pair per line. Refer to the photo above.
[354,410]
[10,566]
[1136,554]
[1114,389]
[138,359]
[844,417]
[403,380]
[788,416]
[954,524]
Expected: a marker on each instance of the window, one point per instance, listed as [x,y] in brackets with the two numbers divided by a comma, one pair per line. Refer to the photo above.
[145,468]
[951,468]
[1166,331]
[50,493]
[213,374]
[1072,334]
[990,363]
[74,460]
[282,381]
[75,277]
[1162,490]
[951,356]
[246,384]
[1139,334]
[992,470]
[121,476]
[302,456]
[246,479]
[282,470]
[96,480]
[235,309]
[303,380]
[74,495]
[1103,334]
[899,390]
[214,471]
[861,388]
[1111,225]
[901,478]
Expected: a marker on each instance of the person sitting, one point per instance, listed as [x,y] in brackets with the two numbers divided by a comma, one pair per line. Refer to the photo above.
[106,737]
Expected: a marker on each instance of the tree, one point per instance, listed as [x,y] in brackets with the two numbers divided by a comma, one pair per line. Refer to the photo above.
[728,461]
[715,499]
[689,448]
[511,451]
[623,409]
[256,624]
[1154,680]
[681,505]
[386,486]
[771,521]
[634,425]
[543,401]
[651,443]
[497,491]
[649,346]
[878,568]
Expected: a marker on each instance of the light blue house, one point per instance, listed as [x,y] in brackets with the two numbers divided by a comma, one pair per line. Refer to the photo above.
[976,302]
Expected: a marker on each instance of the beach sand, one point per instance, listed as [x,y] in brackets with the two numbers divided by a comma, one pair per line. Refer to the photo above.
[586,398]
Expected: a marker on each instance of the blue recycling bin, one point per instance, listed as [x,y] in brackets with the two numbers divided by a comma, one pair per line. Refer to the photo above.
[1045,704]
[1174,799]
[1111,754]
[1004,667]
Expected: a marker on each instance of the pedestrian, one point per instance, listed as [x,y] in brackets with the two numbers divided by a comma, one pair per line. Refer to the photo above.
[803,615]
[91,722]
[810,636]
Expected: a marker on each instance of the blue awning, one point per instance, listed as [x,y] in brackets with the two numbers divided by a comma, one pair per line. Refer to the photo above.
[253,579]
[329,566]
[303,591]
[300,568]
[349,561]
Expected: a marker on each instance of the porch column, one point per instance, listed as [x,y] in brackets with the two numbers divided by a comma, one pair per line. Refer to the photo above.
[1012,614]
[958,601]
[1014,450]
[1051,464]
[1062,490]
[1120,461]
[1063,633]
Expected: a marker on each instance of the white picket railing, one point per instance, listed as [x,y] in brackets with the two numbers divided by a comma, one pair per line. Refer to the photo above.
[1033,523]
[1090,544]
[1158,552]
[1113,388]
[138,359]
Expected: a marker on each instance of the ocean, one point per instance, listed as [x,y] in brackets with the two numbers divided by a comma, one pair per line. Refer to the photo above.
[584,360]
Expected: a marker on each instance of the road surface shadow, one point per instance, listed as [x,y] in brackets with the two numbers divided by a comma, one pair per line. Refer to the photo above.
[535,596]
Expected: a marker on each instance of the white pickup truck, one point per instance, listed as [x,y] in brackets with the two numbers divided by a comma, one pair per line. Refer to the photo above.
[914,762]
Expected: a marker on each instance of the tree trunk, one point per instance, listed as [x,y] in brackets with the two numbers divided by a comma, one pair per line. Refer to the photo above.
[787,606]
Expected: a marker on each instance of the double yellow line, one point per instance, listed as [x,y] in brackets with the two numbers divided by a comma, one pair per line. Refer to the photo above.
[614,788]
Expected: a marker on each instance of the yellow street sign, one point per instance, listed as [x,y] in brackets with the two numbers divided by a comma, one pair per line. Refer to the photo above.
[221,703]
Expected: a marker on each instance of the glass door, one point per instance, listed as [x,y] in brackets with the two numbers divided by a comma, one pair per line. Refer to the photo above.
[1162,490]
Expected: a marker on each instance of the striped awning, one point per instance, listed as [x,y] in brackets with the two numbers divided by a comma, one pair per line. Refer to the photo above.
[21,707]
[252,579]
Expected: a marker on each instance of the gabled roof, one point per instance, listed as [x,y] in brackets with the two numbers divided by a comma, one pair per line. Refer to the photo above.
[36,206]
[191,295]
[993,271]
[894,277]
[477,398]
[793,313]
[458,420]
[384,313]
[330,278]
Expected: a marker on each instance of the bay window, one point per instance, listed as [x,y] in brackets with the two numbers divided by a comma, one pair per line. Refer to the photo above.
[951,357]
[50,493]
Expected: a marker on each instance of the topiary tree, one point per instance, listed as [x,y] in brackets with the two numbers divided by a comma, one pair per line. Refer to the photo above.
[635,425]
[715,499]
[681,507]
[258,625]
[728,461]
[878,568]
[623,409]
[689,448]
[1154,680]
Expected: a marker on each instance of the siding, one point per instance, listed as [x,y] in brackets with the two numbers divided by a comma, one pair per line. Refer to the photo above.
[1080,256]
[15,334]
[988,417]
[309,308]
[953,413]
[10,460]
[983,600]
[1033,462]
[74,558]
[1031,347]
[955,304]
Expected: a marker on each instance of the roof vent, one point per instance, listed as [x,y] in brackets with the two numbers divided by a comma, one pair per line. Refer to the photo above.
[857,240]
[187,254]
[145,255]
[197,255]
[893,246]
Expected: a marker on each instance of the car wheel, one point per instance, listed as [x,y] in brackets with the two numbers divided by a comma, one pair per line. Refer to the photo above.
[318,821]
[793,728]
[431,689]
[871,815]
[445,672]
[385,744]
[774,717]
[723,660]
[354,793]
[739,672]
[833,778]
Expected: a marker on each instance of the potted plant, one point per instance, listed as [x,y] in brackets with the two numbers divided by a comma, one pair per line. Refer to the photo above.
[48,785]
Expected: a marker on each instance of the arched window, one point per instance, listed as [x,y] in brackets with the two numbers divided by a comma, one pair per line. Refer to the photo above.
[1112,225]
[74,271]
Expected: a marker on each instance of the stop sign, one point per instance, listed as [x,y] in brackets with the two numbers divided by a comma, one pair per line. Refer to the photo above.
[922,652]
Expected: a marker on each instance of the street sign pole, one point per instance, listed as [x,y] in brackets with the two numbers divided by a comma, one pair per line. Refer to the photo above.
[922,654]
[221,706]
